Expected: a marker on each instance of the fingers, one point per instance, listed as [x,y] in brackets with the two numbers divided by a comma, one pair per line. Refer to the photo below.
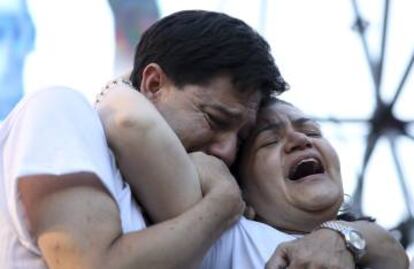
[306,252]
[278,263]
[279,259]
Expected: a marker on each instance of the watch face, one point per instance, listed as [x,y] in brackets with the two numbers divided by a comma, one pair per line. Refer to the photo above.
[356,240]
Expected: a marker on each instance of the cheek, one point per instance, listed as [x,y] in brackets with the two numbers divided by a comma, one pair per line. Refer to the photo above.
[335,161]
[267,173]
[330,156]
[272,162]
[197,131]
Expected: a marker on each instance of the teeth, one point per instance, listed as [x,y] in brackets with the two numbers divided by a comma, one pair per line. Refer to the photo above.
[307,160]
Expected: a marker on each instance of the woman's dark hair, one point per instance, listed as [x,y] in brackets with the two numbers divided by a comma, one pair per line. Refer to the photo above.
[193,46]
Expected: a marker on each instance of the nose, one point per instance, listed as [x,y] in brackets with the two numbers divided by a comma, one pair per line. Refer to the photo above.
[224,148]
[296,141]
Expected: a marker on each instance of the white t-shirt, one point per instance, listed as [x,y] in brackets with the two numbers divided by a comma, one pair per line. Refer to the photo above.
[54,131]
[247,245]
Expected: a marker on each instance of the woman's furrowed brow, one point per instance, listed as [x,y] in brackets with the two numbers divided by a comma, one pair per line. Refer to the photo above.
[268,127]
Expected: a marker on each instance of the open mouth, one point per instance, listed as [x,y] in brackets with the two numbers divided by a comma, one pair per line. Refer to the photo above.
[306,167]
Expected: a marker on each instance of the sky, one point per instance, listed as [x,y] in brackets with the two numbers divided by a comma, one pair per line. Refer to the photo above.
[314,46]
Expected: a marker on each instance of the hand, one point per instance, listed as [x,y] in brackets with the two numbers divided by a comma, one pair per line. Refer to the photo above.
[216,179]
[213,173]
[320,249]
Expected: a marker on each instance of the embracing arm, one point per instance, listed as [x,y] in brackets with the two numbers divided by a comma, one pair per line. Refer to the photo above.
[325,248]
[150,155]
[71,216]
[383,251]
[76,225]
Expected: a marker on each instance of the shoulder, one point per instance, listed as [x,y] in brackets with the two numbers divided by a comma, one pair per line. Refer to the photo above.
[56,107]
[57,97]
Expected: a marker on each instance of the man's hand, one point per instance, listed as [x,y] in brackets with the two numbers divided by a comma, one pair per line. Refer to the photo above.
[320,249]
[212,172]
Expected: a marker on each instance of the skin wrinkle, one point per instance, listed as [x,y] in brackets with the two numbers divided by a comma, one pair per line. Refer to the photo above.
[210,118]
[284,134]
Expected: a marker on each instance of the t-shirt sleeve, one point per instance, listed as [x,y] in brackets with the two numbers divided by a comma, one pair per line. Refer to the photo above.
[55,132]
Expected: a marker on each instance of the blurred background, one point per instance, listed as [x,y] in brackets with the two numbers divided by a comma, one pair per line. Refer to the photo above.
[349,64]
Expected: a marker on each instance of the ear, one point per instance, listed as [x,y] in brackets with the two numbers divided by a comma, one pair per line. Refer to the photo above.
[154,82]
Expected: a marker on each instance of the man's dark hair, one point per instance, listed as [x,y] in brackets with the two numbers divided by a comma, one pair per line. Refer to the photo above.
[194,46]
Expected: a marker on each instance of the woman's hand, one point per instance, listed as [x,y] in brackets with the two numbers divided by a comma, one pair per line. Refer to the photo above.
[216,179]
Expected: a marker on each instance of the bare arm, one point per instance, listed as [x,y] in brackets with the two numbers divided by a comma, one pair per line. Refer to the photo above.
[383,251]
[326,249]
[77,225]
[73,219]
[149,154]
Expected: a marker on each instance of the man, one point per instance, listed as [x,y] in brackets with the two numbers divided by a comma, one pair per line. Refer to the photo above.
[63,201]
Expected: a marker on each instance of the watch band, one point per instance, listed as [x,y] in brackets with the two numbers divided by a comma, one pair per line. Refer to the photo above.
[353,239]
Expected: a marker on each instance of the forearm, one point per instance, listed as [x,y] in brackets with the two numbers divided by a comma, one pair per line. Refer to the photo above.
[150,155]
[178,243]
[383,251]
[79,227]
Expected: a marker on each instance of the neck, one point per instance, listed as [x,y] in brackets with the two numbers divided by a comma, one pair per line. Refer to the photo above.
[295,227]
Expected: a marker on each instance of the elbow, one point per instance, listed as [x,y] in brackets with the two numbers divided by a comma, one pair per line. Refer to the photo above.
[400,256]
[132,122]
[118,120]
[124,127]
[393,255]
[124,130]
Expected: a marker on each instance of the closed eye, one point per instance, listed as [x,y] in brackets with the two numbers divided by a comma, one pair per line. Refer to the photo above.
[217,122]
[269,143]
[309,127]
[313,133]
[210,121]
[311,130]
[268,137]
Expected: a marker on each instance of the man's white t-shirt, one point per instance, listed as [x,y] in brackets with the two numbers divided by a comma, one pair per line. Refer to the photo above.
[247,245]
[54,131]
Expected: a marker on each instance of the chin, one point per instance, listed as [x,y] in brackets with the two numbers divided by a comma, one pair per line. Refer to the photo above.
[320,195]
[324,202]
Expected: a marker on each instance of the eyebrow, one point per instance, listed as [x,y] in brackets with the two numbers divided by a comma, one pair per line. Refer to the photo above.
[302,121]
[230,113]
[278,125]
